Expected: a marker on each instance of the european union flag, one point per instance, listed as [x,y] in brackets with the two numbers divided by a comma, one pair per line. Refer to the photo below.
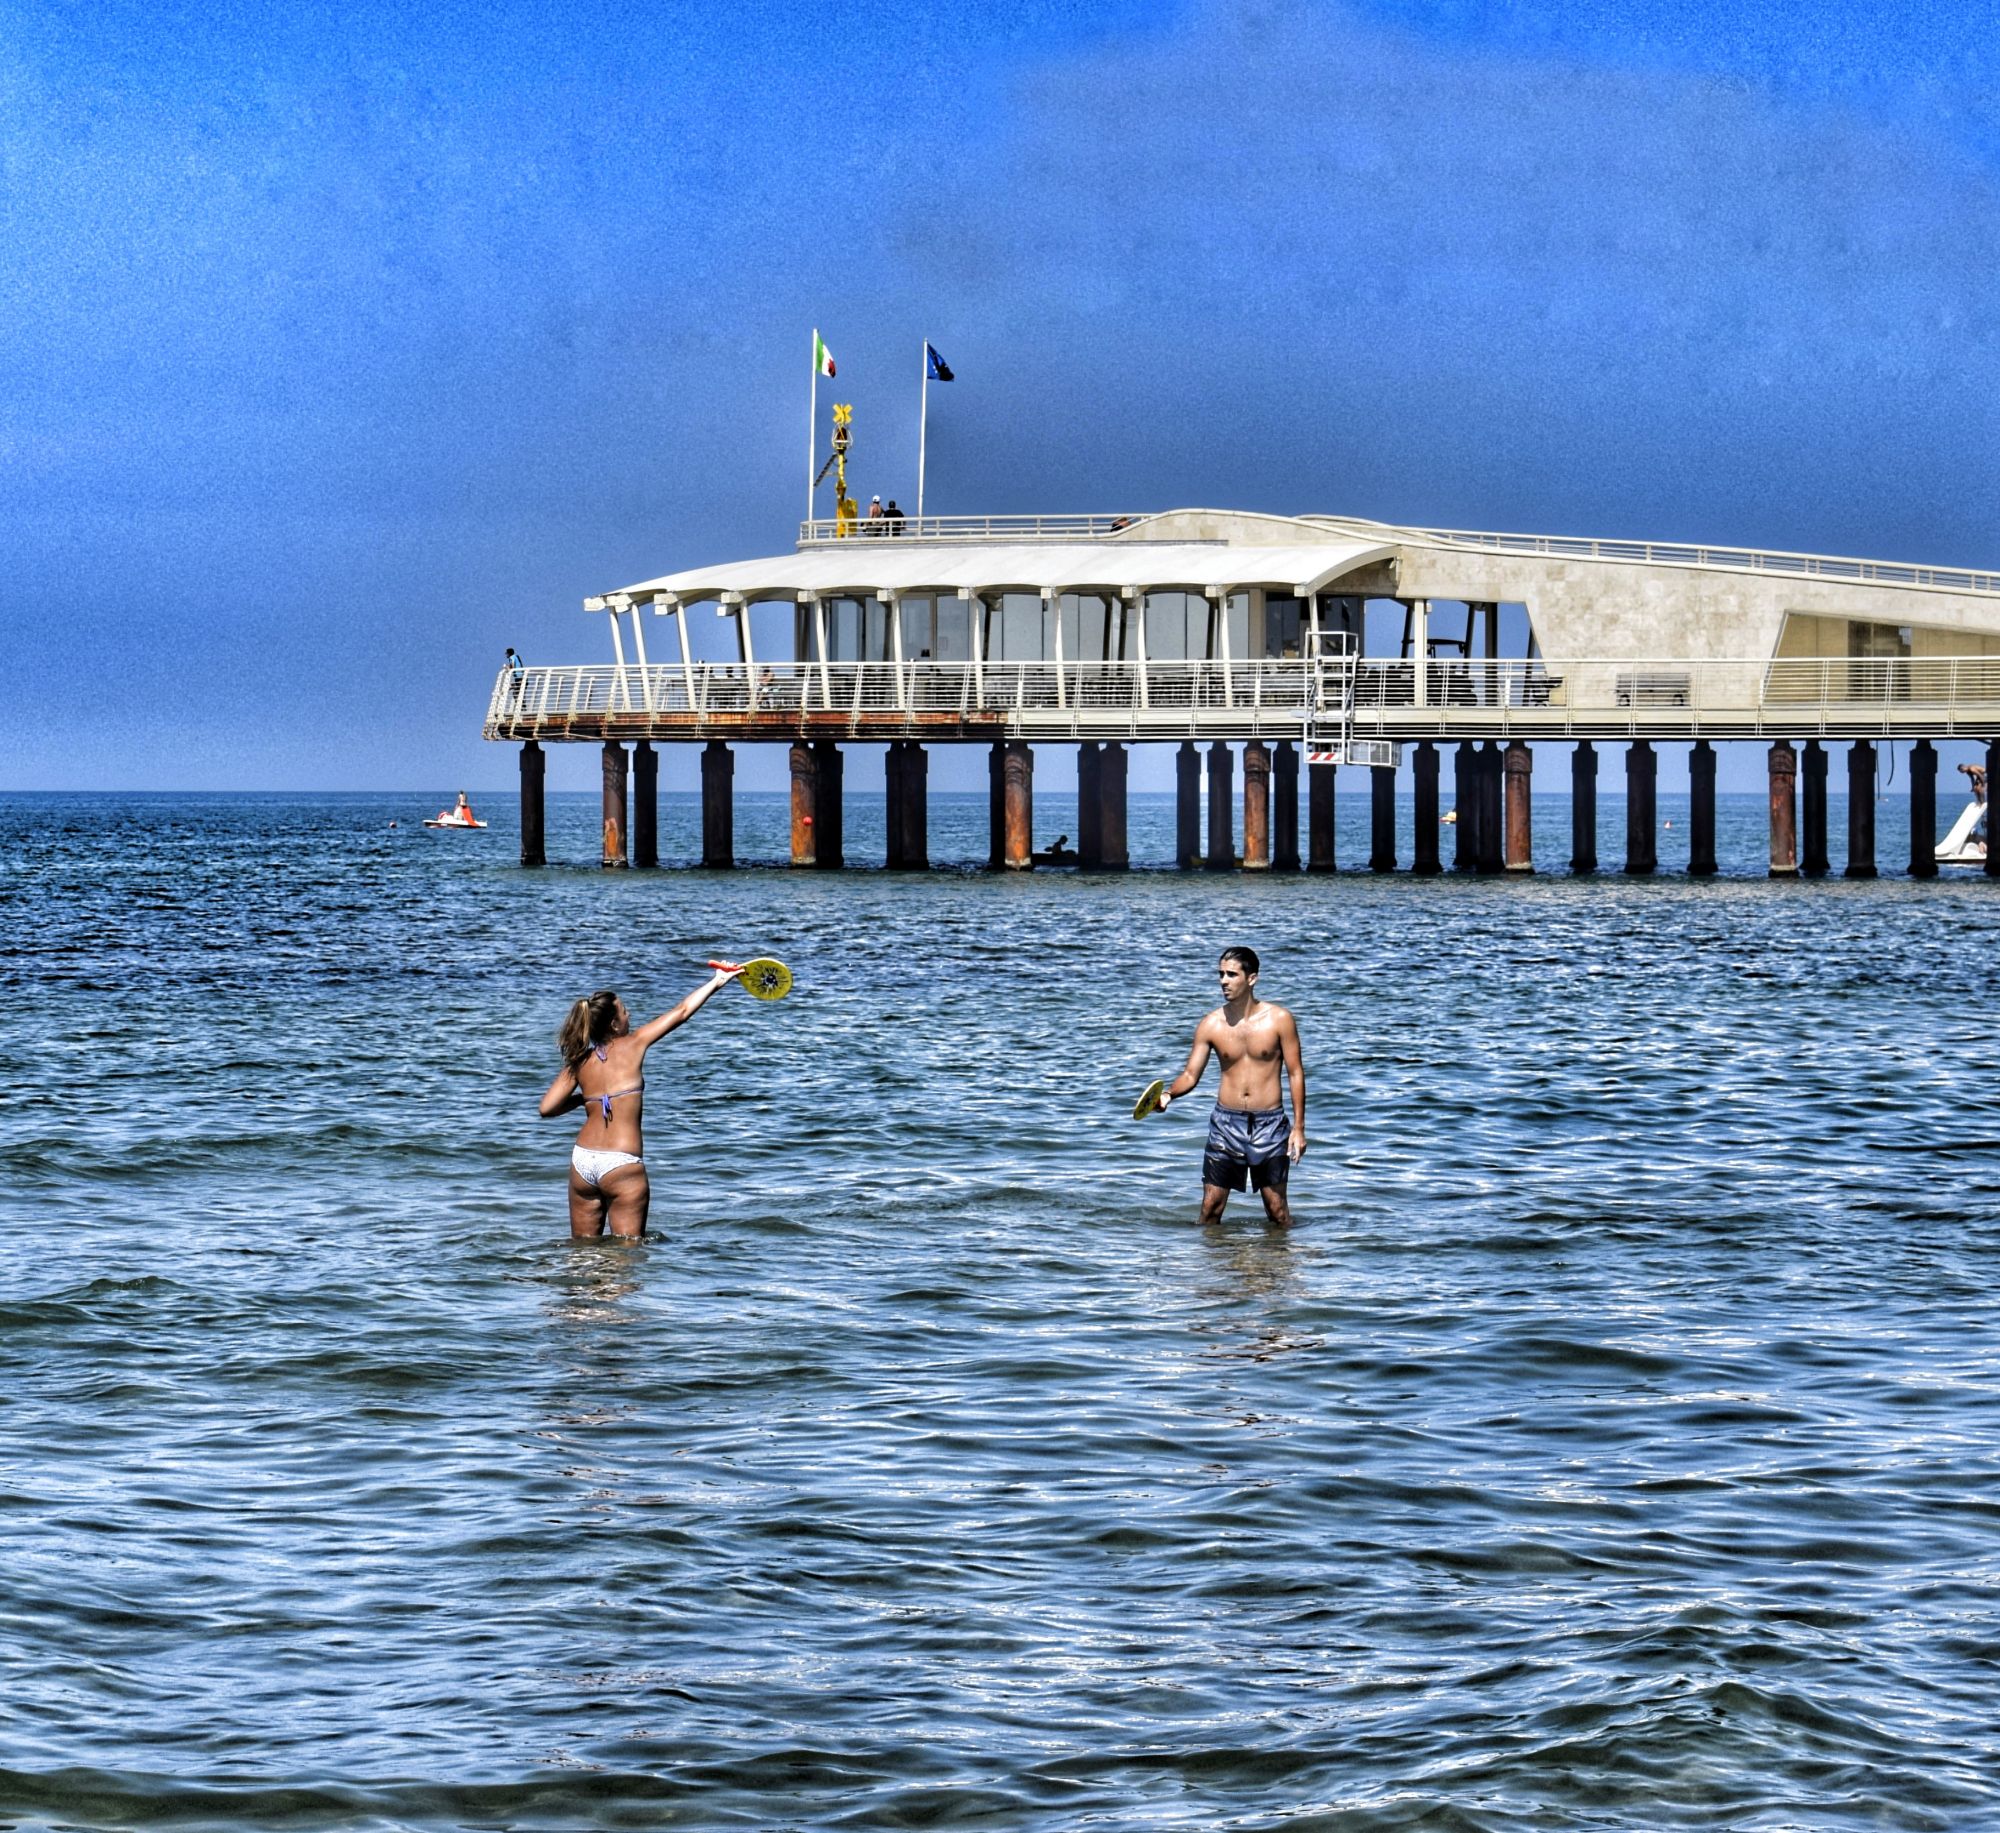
[940,370]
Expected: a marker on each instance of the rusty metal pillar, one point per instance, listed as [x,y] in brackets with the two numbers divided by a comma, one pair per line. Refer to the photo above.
[996,807]
[1813,861]
[828,806]
[1642,839]
[718,804]
[1492,810]
[1784,767]
[1583,808]
[1187,806]
[1923,809]
[1992,825]
[1112,765]
[1701,809]
[1519,766]
[1860,810]
[534,773]
[614,803]
[1221,854]
[1285,807]
[1425,860]
[1320,781]
[913,798]
[1382,819]
[1089,808]
[1018,772]
[645,804]
[1465,808]
[805,806]
[1256,806]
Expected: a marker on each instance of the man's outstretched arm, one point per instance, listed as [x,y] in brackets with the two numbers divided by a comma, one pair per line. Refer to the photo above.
[1184,1083]
[1295,1073]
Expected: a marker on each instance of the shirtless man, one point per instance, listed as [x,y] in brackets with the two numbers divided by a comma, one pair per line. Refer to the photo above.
[1250,1144]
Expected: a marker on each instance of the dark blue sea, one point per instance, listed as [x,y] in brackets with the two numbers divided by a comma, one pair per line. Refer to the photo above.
[1614,1443]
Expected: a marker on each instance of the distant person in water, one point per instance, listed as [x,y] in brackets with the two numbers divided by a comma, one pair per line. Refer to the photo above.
[602,1073]
[1251,1143]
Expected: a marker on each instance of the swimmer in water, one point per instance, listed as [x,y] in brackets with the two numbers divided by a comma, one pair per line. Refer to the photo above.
[602,1073]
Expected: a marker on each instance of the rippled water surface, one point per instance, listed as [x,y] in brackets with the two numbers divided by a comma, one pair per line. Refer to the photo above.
[1612,1444]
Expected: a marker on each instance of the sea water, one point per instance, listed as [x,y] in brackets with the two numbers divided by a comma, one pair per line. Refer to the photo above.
[1612,1444]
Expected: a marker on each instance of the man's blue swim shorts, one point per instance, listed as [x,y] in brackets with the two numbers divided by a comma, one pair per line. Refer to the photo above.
[1246,1151]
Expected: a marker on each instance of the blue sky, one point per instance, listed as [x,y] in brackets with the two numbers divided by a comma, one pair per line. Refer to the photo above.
[342,347]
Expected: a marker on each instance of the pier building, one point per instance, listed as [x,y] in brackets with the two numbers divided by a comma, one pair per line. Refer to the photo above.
[1315,642]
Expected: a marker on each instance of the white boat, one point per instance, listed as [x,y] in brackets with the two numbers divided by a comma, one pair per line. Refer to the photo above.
[460,816]
[1965,845]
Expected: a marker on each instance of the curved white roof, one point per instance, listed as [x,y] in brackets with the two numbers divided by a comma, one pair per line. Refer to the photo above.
[866,566]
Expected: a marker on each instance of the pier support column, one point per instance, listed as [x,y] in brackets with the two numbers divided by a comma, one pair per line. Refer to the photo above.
[1784,766]
[1114,853]
[1285,807]
[1425,860]
[1320,852]
[1089,808]
[1923,809]
[1382,819]
[1583,808]
[614,803]
[906,777]
[1701,810]
[1187,806]
[805,806]
[1465,809]
[996,807]
[1492,814]
[718,805]
[645,804]
[1813,861]
[1221,854]
[1256,806]
[1018,775]
[1519,767]
[1992,821]
[534,773]
[1642,774]
[1860,810]
[828,806]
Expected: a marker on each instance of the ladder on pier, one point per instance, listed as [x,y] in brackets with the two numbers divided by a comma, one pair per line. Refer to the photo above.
[1329,723]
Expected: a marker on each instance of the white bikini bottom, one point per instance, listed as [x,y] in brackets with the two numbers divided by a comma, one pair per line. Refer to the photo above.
[590,1166]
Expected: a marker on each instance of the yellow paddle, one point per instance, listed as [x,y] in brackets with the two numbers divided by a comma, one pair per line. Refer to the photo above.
[1149,1102]
[762,978]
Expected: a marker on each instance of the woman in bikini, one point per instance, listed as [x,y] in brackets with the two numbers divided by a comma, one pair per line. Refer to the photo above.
[602,1073]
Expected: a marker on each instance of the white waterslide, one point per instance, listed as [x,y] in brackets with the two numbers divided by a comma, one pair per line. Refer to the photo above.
[1959,848]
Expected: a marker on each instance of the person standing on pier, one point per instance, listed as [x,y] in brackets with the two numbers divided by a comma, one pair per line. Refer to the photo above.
[1252,1144]
[602,1073]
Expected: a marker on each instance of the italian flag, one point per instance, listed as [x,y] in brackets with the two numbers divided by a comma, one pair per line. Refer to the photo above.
[822,356]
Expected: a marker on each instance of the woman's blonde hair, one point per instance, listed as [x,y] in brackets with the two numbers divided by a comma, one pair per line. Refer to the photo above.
[588,1025]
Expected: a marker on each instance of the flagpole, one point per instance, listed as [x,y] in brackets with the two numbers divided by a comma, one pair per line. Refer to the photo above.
[923,428]
[812,420]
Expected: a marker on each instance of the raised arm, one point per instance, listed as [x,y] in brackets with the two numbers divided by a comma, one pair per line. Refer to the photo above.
[650,1034]
[564,1093]
[1295,1073]
[1184,1083]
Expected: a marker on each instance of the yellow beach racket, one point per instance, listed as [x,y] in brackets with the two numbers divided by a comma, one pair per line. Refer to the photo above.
[762,978]
[1149,1102]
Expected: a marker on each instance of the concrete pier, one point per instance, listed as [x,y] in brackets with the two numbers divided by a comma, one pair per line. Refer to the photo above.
[1381,820]
[830,805]
[1256,806]
[1465,806]
[614,804]
[1112,771]
[1320,780]
[1701,810]
[1860,810]
[534,776]
[1285,807]
[1784,769]
[718,805]
[1492,812]
[805,806]
[1187,806]
[1221,854]
[1017,767]
[645,805]
[1089,807]
[1813,861]
[1425,769]
[1923,809]
[1518,767]
[1583,808]
[1642,839]
[906,775]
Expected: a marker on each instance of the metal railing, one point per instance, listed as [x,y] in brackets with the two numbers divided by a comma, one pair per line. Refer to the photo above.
[969,528]
[1387,697]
